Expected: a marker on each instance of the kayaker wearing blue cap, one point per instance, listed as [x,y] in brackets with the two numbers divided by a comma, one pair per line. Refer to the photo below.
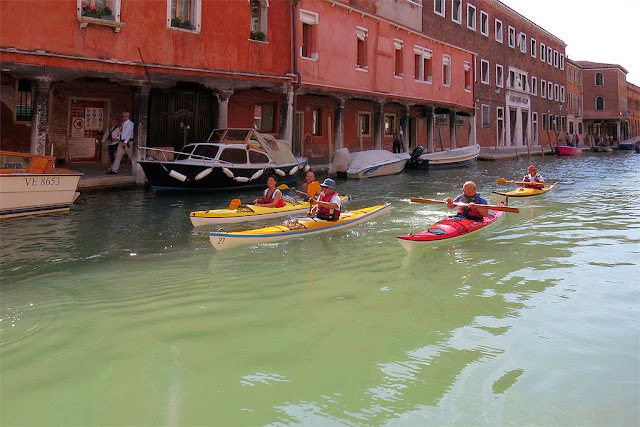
[328,203]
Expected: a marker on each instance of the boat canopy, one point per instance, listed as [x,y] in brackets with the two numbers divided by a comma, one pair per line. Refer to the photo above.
[364,159]
[279,151]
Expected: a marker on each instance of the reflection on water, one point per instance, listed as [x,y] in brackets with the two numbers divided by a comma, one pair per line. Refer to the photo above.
[120,313]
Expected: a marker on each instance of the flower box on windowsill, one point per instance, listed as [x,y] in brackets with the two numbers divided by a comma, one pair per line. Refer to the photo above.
[182,24]
[107,21]
[258,36]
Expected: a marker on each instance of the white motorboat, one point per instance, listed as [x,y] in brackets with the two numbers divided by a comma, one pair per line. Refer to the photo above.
[229,159]
[370,163]
[454,158]
[31,184]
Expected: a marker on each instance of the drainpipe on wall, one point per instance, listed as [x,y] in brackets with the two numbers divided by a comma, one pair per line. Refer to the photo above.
[294,35]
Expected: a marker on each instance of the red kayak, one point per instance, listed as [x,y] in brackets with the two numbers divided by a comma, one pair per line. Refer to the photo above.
[448,228]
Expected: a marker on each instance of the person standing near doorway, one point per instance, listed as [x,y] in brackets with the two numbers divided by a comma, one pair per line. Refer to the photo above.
[112,138]
[126,143]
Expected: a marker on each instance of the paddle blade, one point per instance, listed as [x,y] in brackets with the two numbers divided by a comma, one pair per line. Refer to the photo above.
[234,204]
[501,181]
[282,187]
[313,188]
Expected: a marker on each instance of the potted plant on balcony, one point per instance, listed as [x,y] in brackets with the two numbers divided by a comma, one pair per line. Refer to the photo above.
[97,12]
[257,35]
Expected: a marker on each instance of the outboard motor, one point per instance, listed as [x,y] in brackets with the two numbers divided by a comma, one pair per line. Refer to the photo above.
[415,156]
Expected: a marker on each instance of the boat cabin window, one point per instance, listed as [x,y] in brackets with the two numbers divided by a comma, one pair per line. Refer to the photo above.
[206,150]
[236,135]
[185,152]
[234,155]
[257,157]
[216,135]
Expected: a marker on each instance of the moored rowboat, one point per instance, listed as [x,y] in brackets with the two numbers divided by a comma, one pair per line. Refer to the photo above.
[295,228]
[246,213]
[447,229]
[522,192]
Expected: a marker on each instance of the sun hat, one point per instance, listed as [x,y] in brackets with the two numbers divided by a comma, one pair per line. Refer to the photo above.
[329,183]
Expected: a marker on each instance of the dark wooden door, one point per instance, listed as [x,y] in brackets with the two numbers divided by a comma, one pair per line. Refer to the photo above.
[180,116]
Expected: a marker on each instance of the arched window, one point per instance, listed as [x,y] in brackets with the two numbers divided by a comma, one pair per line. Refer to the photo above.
[599,103]
[599,79]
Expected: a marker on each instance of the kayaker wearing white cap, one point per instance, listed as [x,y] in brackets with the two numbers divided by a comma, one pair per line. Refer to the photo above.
[328,203]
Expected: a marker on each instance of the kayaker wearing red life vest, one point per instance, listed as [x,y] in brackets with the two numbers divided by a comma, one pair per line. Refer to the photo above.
[533,178]
[328,203]
[272,197]
[469,196]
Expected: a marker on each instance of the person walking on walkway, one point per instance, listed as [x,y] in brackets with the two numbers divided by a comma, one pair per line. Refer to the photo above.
[126,143]
[112,138]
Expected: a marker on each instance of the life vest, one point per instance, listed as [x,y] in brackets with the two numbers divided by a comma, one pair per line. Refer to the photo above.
[466,211]
[326,213]
[266,199]
[535,178]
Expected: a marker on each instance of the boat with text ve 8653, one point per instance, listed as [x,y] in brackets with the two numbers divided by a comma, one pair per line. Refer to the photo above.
[31,184]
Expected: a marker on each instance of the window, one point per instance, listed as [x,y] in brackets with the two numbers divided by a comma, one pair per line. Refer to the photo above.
[398,65]
[522,42]
[364,123]
[534,47]
[471,17]
[23,98]
[543,88]
[562,94]
[499,75]
[549,90]
[439,6]
[484,71]
[561,61]
[309,23]
[499,33]
[556,59]
[389,124]
[512,37]
[446,70]
[263,117]
[258,20]
[486,116]
[517,79]
[100,9]
[484,23]
[456,11]
[237,156]
[361,40]
[256,157]
[185,14]
[534,85]
[544,122]
[549,55]
[556,92]
[599,79]
[543,51]
[467,76]
[317,121]
[423,68]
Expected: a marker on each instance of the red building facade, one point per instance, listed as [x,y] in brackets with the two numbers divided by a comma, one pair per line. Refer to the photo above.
[574,101]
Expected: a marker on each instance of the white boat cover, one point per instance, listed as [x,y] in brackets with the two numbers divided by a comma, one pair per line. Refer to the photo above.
[364,159]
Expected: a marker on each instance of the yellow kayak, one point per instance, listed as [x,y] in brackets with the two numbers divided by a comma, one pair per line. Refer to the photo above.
[295,228]
[522,192]
[248,213]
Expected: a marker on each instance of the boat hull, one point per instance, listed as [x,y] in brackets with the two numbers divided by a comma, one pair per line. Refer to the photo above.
[566,150]
[23,194]
[447,229]
[160,176]
[522,192]
[248,213]
[378,170]
[299,228]
[456,158]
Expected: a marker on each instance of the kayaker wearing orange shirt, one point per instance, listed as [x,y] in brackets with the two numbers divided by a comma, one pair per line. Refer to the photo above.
[469,195]
[533,178]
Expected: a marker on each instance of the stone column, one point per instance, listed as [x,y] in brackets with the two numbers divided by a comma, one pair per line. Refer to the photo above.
[473,124]
[40,115]
[404,124]
[430,126]
[452,130]
[338,124]
[223,108]
[378,125]
[286,117]
[140,120]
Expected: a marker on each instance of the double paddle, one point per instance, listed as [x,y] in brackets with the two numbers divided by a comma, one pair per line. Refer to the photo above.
[233,204]
[502,181]
[442,202]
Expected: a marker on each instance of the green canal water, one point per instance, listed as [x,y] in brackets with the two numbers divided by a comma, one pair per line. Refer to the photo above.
[121,313]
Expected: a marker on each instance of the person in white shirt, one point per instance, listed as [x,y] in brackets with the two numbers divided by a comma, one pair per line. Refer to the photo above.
[112,138]
[126,143]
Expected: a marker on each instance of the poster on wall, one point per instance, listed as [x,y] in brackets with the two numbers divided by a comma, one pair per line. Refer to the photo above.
[77,128]
[93,118]
[82,148]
